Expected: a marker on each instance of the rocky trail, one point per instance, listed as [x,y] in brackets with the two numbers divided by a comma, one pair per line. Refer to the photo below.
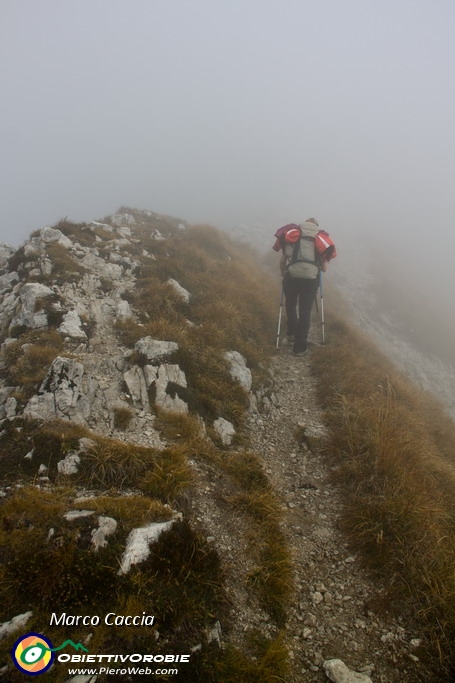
[334,615]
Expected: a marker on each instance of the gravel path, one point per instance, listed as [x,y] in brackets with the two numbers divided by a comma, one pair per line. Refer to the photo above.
[338,612]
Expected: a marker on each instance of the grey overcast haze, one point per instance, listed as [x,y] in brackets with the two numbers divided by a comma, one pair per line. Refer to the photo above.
[235,111]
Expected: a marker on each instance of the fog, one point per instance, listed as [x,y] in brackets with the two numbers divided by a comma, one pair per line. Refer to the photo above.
[238,111]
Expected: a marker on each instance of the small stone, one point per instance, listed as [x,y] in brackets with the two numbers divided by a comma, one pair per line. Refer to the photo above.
[317,597]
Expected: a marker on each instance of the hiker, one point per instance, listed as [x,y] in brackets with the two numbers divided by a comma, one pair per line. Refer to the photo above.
[306,250]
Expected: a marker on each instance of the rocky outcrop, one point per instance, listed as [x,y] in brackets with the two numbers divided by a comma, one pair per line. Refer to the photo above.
[155,350]
[61,394]
[28,316]
[165,378]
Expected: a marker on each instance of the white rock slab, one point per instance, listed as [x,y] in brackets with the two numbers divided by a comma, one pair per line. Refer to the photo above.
[137,388]
[123,311]
[106,527]
[70,464]
[55,236]
[78,514]
[239,370]
[181,291]
[154,349]
[72,326]
[138,542]
[338,672]
[225,430]
[17,623]
[166,374]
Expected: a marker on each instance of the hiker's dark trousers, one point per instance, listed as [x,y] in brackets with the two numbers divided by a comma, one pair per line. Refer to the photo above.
[300,295]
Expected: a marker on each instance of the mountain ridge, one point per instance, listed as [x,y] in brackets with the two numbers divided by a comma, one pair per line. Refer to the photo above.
[148,424]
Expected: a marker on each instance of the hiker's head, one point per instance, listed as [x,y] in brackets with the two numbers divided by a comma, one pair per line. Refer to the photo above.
[312,220]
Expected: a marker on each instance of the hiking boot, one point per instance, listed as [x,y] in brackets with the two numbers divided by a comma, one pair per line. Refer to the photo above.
[300,349]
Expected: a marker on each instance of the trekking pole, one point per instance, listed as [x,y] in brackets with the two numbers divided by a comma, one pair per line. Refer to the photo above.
[322,308]
[279,320]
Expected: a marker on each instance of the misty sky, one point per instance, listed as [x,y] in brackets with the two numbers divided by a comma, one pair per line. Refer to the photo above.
[232,111]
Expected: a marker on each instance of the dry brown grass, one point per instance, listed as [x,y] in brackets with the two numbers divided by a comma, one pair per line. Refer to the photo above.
[394,450]
[122,418]
[28,359]
[170,476]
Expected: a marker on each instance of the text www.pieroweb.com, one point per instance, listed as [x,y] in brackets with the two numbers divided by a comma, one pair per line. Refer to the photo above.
[128,671]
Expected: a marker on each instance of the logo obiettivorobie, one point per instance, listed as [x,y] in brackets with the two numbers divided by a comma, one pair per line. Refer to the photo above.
[34,654]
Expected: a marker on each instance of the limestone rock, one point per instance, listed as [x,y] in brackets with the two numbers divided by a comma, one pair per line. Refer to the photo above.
[150,374]
[105,226]
[338,672]
[29,294]
[123,311]
[165,375]
[238,369]
[10,407]
[110,271]
[72,326]
[122,219]
[154,349]
[181,291]
[124,231]
[138,542]
[71,515]
[7,281]
[70,464]
[137,388]
[106,527]
[225,429]
[15,624]
[5,397]
[60,394]
[55,236]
